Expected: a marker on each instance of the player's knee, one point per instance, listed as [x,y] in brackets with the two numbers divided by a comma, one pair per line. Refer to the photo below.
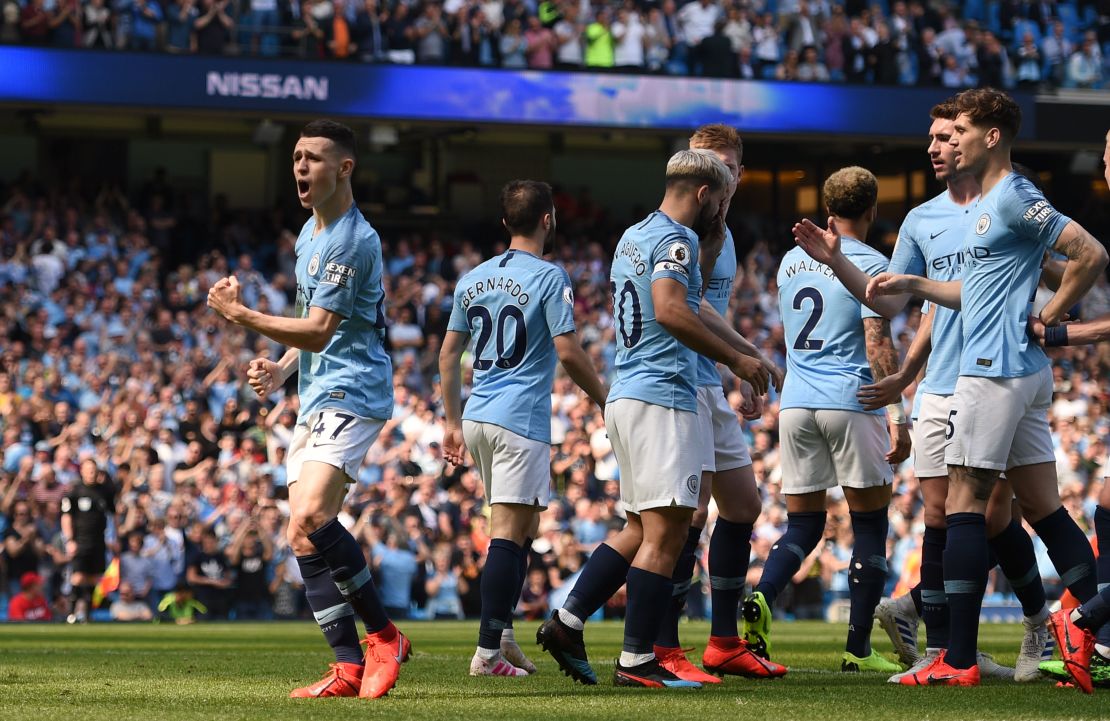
[301,525]
[934,516]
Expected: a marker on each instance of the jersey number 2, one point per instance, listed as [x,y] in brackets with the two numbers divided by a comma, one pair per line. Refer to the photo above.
[804,342]
[520,341]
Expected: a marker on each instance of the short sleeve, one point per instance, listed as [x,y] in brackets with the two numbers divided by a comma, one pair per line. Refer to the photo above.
[558,304]
[1032,217]
[908,257]
[457,322]
[67,505]
[673,257]
[872,264]
[343,265]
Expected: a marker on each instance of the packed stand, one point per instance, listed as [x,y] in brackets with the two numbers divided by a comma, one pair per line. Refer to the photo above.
[121,391]
[1013,43]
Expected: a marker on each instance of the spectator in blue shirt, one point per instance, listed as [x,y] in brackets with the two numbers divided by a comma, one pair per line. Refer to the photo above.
[395,565]
[146,15]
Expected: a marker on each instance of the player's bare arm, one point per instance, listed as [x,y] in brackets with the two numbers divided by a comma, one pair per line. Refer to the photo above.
[669,298]
[824,246]
[883,359]
[450,356]
[311,333]
[716,323]
[1087,258]
[265,376]
[889,390]
[579,367]
[946,292]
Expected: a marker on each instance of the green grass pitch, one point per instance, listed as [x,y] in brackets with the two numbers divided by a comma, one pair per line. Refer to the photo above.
[245,671]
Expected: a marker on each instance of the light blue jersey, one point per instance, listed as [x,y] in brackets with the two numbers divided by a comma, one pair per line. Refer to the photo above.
[931,244]
[513,305]
[341,270]
[651,364]
[1004,246]
[826,351]
[718,291]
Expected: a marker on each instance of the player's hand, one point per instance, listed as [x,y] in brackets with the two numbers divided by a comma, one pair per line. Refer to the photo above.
[71,549]
[1036,329]
[876,395]
[821,245]
[751,407]
[778,375]
[899,443]
[264,376]
[887,284]
[226,298]
[751,370]
[454,447]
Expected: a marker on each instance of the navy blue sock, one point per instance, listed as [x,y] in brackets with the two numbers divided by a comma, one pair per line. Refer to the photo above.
[350,573]
[1102,531]
[499,582]
[730,549]
[965,580]
[525,558]
[1070,552]
[915,596]
[331,610]
[866,577]
[1014,549]
[645,612]
[681,580]
[934,603]
[803,533]
[1095,613]
[602,576]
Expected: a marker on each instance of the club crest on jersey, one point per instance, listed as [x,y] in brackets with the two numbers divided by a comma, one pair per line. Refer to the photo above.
[692,484]
[679,253]
[983,225]
[314,264]
[568,295]
[84,504]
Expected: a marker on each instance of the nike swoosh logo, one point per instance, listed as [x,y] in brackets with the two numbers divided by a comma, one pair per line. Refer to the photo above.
[645,681]
[400,648]
[934,235]
[321,445]
[931,678]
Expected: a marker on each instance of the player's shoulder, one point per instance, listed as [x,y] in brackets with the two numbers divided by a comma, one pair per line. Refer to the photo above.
[940,204]
[862,253]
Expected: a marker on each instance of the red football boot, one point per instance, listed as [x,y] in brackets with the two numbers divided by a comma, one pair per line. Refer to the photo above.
[733,656]
[342,679]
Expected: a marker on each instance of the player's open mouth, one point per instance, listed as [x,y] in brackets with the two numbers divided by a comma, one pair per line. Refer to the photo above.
[302,187]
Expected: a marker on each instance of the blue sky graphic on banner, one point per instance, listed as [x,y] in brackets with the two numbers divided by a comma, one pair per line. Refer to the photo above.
[34,75]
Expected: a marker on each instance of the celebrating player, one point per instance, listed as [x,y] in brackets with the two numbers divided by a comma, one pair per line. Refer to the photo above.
[726,471]
[931,244]
[346,394]
[832,343]
[521,308]
[651,414]
[998,420]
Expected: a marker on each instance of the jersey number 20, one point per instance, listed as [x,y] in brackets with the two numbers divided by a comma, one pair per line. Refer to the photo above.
[520,341]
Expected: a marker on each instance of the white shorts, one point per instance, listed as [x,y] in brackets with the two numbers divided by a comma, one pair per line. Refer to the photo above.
[929,440]
[825,448]
[1001,423]
[721,442]
[657,452]
[338,438]
[514,469]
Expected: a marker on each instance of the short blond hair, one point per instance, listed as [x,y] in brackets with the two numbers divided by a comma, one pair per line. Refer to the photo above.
[850,192]
[700,167]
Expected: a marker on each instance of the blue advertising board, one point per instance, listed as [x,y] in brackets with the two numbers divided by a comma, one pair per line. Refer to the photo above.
[30,76]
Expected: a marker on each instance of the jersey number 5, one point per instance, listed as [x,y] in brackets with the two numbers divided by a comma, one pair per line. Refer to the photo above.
[520,341]
[804,342]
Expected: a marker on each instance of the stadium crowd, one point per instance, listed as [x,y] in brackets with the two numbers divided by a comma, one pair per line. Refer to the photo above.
[109,355]
[1050,43]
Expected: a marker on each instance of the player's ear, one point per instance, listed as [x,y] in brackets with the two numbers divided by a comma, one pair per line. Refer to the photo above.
[994,137]
[703,194]
[506,226]
[346,167]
